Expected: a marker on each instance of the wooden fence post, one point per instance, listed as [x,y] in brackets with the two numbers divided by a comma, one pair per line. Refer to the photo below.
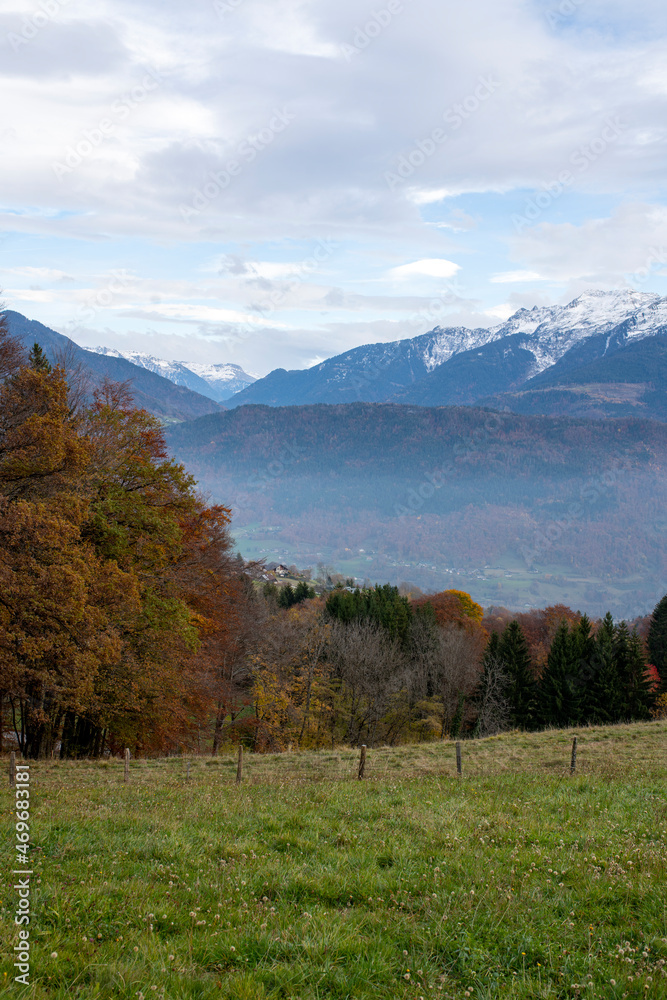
[127,764]
[12,768]
[362,761]
[573,759]
[459,767]
[188,771]
[239,766]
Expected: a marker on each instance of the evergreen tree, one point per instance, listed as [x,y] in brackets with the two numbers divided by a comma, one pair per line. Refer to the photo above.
[584,665]
[382,605]
[657,641]
[604,695]
[38,360]
[557,694]
[639,694]
[286,597]
[303,592]
[521,687]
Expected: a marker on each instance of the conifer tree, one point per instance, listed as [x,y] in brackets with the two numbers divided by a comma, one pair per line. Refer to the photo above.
[521,687]
[657,641]
[558,696]
[286,596]
[303,592]
[584,665]
[38,360]
[604,694]
[639,693]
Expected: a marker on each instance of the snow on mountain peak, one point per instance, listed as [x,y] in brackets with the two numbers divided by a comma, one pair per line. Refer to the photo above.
[218,381]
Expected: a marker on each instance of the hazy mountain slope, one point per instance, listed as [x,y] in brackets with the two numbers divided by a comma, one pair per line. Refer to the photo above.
[446,496]
[631,381]
[158,395]
[217,381]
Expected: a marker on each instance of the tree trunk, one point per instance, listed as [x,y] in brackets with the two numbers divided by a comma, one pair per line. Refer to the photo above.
[217,734]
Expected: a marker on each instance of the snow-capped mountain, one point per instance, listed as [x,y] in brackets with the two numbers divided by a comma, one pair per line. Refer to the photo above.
[227,379]
[168,402]
[218,382]
[461,366]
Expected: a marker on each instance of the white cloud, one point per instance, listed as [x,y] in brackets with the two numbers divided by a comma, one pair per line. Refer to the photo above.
[501,312]
[193,312]
[39,273]
[220,81]
[514,277]
[430,268]
[603,251]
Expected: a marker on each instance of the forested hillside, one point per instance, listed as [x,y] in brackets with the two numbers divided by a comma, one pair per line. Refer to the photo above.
[400,492]
[631,382]
[125,621]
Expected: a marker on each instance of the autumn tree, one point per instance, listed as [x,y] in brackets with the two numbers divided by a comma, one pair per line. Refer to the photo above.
[290,671]
[491,700]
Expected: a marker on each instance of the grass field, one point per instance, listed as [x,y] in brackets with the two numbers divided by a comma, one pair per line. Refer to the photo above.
[515,880]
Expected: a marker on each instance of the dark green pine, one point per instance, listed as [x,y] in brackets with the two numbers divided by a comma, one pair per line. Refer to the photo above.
[557,692]
[584,658]
[657,641]
[38,360]
[521,687]
[605,701]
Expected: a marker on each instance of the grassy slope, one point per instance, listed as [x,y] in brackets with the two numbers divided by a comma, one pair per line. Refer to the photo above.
[515,881]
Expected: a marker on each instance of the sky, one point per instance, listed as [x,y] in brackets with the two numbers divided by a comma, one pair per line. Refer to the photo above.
[272,183]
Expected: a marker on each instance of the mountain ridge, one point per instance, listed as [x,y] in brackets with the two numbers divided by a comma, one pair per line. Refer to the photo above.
[217,381]
[149,390]
[450,366]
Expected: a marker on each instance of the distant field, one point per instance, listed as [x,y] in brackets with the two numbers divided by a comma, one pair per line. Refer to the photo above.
[515,880]
[508,582]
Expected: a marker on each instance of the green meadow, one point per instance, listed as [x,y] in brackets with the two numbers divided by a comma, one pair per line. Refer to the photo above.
[514,880]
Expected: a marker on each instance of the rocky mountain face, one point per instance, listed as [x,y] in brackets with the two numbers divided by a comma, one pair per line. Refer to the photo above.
[460,366]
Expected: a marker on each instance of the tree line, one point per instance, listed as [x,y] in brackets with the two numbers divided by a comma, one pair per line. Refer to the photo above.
[126,619]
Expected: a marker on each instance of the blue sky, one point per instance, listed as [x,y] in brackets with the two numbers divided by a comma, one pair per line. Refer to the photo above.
[271,184]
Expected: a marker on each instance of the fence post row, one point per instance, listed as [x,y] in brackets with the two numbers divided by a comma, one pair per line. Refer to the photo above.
[362,761]
[239,766]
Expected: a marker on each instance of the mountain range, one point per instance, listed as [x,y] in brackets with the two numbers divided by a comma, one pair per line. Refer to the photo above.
[160,396]
[218,382]
[550,360]
[513,494]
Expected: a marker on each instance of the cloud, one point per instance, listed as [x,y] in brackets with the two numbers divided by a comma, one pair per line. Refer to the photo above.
[501,312]
[514,277]
[605,251]
[430,268]
[514,97]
